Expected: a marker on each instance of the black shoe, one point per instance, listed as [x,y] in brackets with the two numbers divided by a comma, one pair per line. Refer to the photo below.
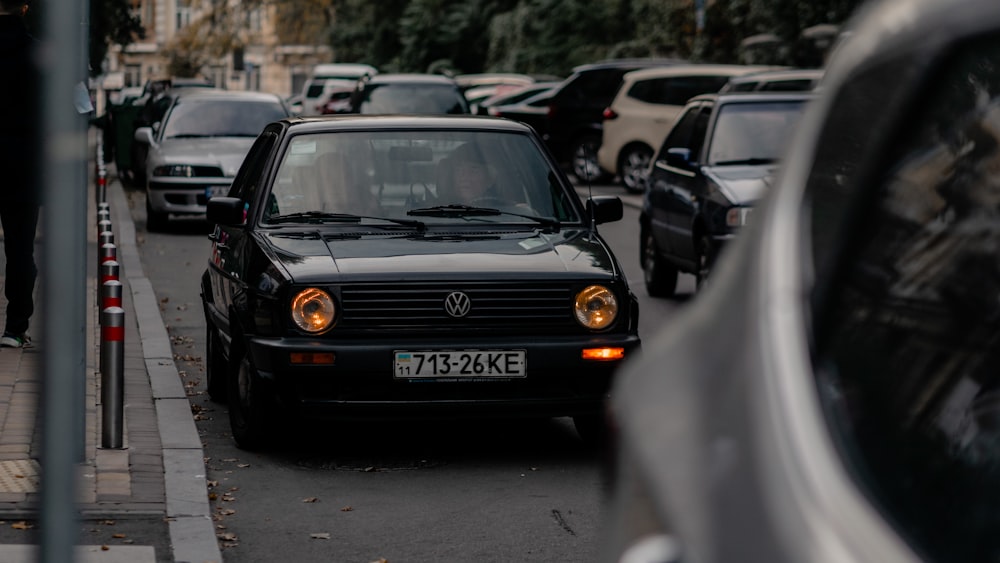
[10,340]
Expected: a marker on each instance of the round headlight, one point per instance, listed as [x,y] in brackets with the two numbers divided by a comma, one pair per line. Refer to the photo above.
[313,310]
[596,307]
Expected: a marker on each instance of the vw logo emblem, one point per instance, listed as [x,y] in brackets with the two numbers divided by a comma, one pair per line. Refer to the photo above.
[457,304]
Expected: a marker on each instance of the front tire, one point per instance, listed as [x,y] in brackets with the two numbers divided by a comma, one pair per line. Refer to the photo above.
[632,167]
[593,430]
[584,165]
[660,276]
[706,261]
[249,406]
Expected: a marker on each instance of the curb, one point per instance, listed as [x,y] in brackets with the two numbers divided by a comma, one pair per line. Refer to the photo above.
[192,533]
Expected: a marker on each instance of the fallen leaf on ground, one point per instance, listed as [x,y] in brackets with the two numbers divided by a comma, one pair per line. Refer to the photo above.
[347,509]
[21,526]
[228,536]
[310,499]
[320,536]
[118,536]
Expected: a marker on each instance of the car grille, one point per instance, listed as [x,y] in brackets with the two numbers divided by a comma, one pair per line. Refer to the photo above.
[529,307]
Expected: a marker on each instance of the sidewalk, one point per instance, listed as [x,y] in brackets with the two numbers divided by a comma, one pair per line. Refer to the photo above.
[153,491]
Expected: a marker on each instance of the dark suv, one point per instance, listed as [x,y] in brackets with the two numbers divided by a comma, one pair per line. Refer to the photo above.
[717,160]
[576,112]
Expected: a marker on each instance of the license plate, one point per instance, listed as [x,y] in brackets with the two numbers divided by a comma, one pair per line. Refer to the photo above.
[466,364]
[216,191]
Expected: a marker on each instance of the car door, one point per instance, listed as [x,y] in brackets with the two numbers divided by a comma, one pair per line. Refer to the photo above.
[677,180]
[661,177]
[230,245]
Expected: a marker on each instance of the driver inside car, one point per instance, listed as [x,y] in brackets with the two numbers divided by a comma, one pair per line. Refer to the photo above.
[465,178]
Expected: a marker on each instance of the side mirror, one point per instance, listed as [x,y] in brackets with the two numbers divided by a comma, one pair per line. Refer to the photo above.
[144,135]
[225,210]
[679,157]
[605,209]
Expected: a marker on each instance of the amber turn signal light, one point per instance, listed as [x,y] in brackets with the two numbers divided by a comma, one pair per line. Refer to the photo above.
[320,358]
[603,354]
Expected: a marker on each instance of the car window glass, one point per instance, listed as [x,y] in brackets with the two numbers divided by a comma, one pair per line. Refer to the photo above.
[699,130]
[390,173]
[676,90]
[797,85]
[253,164]
[907,353]
[680,134]
[752,132]
[597,87]
[215,118]
[413,98]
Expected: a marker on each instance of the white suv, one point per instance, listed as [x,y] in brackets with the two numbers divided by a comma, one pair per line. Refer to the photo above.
[644,109]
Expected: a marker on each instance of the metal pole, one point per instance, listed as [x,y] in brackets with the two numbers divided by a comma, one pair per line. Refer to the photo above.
[112,376]
[63,274]
[111,294]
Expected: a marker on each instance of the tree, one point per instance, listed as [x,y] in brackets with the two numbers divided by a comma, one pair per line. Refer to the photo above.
[111,22]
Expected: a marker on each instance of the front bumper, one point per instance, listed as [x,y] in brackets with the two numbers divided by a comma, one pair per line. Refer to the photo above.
[187,196]
[360,382]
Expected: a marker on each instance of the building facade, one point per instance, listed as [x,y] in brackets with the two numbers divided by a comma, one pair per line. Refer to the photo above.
[234,44]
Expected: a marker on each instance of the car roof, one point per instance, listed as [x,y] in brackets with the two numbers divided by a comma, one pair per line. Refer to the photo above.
[696,69]
[780,74]
[753,97]
[632,62]
[399,122]
[411,78]
[493,78]
[219,94]
[335,68]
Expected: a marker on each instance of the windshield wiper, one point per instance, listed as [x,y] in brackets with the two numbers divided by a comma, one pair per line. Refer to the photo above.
[745,161]
[455,210]
[329,217]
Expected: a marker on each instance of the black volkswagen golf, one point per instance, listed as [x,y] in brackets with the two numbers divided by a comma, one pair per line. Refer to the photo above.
[411,266]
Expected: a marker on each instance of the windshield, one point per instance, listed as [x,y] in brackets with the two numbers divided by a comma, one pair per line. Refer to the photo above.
[753,133]
[432,176]
[220,118]
[413,98]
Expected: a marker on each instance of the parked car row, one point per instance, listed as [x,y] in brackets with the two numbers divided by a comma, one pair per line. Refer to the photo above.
[605,120]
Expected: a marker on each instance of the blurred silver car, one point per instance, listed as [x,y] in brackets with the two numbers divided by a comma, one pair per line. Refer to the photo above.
[195,151]
[834,393]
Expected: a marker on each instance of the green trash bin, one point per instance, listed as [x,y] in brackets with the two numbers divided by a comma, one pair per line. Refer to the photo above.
[123,128]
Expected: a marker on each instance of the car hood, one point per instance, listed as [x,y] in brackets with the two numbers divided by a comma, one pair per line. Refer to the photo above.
[226,152]
[311,256]
[742,185]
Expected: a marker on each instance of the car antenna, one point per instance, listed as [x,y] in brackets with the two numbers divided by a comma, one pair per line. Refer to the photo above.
[590,194]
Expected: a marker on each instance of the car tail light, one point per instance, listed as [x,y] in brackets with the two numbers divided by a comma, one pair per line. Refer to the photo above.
[609,114]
